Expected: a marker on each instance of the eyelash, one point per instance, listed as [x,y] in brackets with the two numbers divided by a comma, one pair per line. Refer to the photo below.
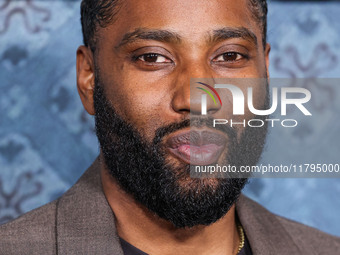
[239,57]
[138,58]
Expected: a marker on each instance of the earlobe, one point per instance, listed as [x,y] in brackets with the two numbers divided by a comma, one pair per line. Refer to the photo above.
[267,51]
[85,78]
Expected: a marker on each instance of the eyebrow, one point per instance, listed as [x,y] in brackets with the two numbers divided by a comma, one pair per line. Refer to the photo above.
[170,36]
[230,32]
[149,34]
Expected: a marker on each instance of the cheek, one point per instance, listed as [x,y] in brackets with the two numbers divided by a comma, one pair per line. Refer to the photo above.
[259,91]
[140,107]
[145,112]
[140,99]
[258,96]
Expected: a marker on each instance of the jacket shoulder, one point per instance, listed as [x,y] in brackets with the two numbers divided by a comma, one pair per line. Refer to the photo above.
[31,233]
[269,233]
[319,241]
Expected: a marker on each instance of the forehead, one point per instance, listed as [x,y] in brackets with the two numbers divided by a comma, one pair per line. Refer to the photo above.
[192,19]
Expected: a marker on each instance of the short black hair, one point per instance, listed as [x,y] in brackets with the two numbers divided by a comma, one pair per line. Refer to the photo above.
[259,9]
[94,13]
[101,13]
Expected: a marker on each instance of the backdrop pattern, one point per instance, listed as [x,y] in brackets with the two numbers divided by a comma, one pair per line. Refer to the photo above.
[47,140]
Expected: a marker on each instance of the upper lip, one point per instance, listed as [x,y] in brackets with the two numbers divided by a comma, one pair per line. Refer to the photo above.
[196,138]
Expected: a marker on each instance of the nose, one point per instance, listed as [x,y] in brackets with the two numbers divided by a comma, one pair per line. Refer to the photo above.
[191,84]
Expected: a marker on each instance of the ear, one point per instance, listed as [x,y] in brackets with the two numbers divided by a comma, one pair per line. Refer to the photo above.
[85,77]
[266,52]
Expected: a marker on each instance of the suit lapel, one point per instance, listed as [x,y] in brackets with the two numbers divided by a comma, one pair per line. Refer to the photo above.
[264,231]
[85,222]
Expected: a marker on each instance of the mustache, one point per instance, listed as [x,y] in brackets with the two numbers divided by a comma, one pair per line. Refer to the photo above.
[193,122]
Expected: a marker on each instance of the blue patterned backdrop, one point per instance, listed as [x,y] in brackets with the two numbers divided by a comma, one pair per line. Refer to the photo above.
[47,140]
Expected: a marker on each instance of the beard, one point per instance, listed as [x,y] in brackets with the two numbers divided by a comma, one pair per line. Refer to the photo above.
[166,189]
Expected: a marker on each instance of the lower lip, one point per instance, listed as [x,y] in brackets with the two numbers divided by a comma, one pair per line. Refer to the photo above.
[198,155]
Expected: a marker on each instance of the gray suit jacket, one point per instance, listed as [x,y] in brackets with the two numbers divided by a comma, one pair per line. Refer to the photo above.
[82,222]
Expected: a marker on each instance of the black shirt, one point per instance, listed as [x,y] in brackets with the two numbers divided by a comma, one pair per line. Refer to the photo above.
[129,249]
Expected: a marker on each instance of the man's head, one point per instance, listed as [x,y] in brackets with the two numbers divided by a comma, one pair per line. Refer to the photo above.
[96,14]
[134,76]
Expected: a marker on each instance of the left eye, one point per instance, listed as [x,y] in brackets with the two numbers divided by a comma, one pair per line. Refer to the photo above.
[154,58]
[228,57]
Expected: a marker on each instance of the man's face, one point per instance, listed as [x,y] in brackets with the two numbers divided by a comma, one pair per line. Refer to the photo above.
[144,63]
[147,81]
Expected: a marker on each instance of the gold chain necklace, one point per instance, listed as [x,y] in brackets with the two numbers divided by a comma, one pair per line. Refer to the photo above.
[241,233]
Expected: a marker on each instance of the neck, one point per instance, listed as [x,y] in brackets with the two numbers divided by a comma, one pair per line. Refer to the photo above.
[153,235]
